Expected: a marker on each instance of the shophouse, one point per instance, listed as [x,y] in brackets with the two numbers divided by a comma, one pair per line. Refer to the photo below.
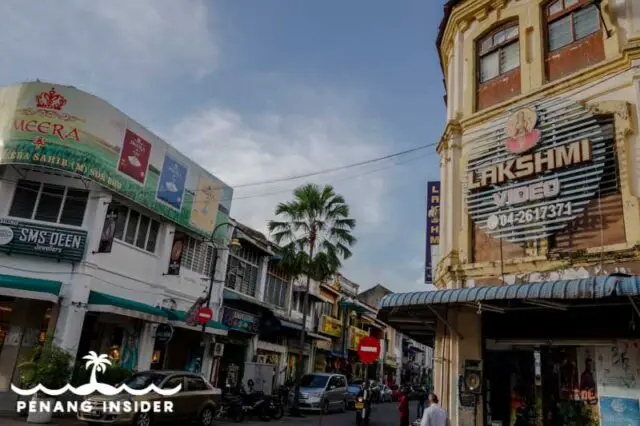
[329,355]
[106,232]
[537,301]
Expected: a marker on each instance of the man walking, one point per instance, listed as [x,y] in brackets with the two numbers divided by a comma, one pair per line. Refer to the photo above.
[434,415]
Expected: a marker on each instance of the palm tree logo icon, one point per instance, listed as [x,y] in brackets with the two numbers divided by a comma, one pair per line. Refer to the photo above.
[98,363]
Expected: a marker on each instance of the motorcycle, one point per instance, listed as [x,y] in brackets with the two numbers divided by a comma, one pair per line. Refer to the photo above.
[255,404]
[275,408]
[363,411]
[230,407]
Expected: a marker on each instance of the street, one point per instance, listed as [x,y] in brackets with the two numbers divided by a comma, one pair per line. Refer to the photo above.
[383,415]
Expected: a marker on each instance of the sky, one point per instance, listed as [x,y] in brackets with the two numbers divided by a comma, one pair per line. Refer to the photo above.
[255,90]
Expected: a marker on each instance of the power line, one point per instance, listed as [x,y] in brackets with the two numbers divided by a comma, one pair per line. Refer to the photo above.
[335,169]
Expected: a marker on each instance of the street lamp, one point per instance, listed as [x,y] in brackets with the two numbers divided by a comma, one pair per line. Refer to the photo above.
[234,245]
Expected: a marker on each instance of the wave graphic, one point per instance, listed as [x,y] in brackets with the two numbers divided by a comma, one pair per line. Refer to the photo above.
[91,388]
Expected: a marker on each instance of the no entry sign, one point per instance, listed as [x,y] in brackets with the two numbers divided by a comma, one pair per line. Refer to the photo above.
[368,350]
[204,315]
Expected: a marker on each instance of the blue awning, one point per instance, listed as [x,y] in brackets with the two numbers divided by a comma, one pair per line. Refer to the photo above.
[586,288]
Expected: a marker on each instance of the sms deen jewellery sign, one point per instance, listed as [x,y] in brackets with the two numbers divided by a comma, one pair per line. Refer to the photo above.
[534,170]
[62,128]
[42,240]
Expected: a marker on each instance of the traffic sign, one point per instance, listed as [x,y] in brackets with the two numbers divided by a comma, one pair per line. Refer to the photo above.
[204,315]
[164,333]
[368,350]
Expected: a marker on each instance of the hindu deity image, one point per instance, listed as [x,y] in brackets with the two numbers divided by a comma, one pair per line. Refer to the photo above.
[521,131]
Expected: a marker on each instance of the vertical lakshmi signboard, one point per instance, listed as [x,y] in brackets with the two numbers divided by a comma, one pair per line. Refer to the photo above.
[62,128]
[433,229]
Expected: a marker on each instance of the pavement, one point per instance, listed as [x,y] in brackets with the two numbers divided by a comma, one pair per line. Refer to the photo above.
[382,415]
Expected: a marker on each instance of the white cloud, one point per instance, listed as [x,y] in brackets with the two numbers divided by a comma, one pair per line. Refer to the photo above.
[88,41]
[246,148]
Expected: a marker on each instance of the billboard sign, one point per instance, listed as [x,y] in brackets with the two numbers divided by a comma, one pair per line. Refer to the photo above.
[63,128]
[433,228]
[535,170]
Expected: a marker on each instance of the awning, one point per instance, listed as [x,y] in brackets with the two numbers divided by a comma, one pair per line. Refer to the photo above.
[229,294]
[318,336]
[29,288]
[102,302]
[417,313]
[291,325]
[179,318]
[586,288]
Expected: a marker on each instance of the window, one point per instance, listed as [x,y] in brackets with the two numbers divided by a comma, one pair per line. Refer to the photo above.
[49,203]
[137,229]
[197,256]
[325,308]
[499,52]
[570,21]
[174,381]
[242,270]
[277,286]
[195,384]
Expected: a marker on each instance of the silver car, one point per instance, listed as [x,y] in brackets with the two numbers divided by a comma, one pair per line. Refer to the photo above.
[323,392]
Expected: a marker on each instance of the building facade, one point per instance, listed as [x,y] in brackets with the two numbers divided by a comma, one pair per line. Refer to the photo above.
[105,234]
[534,316]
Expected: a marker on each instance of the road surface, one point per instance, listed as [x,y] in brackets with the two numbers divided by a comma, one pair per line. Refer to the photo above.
[383,415]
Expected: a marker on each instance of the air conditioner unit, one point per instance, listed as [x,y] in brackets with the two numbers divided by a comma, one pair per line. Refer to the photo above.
[262,359]
[218,349]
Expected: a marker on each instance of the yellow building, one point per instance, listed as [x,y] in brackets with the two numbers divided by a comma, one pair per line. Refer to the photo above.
[536,316]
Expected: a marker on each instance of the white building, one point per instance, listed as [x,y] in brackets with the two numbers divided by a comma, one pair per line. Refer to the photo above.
[103,234]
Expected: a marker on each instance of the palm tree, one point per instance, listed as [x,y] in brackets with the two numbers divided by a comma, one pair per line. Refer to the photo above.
[315,236]
[99,364]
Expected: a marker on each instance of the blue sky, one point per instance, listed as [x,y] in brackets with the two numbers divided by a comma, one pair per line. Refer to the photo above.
[262,89]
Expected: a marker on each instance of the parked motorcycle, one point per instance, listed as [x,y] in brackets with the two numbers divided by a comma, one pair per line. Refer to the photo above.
[230,408]
[275,407]
[255,404]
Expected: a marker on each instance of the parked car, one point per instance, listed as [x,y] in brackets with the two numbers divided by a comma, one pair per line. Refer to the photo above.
[350,397]
[322,392]
[396,392]
[196,401]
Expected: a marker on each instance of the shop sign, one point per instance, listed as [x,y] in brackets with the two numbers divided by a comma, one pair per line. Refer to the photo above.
[62,128]
[433,228]
[330,326]
[164,333]
[109,229]
[241,321]
[175,259]
[534,170]
[355,334]
[17,237]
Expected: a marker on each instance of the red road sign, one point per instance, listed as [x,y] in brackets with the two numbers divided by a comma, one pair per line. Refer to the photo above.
[369,350]
[204,315]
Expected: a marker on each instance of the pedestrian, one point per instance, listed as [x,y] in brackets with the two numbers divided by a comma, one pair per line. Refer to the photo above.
[403,407]
[434,415]
[422,396]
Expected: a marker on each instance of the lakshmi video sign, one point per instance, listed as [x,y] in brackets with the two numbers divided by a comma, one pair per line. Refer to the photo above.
[534,170]
[60,127]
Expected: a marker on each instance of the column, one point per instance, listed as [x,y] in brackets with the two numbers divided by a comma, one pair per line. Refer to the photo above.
[217,302]
[207,359]
[633,158]
[262,278]
[146,345]
[251,348]
[72,310]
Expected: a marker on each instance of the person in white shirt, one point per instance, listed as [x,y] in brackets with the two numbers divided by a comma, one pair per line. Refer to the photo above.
[434,415]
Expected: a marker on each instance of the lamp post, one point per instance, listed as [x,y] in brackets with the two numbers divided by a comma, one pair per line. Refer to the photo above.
[234,244]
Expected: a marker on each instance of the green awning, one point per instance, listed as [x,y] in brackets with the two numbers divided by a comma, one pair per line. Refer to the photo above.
[29,287]
[102,299]
[182,317]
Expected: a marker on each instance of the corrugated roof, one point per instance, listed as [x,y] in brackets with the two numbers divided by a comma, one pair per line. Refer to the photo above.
[586,288]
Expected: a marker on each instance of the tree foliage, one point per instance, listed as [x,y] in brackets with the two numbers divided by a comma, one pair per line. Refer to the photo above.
[314,232]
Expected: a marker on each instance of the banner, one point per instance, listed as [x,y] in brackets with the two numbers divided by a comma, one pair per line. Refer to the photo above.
[179,240]
[433,228]
[63,128]
[109,229]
